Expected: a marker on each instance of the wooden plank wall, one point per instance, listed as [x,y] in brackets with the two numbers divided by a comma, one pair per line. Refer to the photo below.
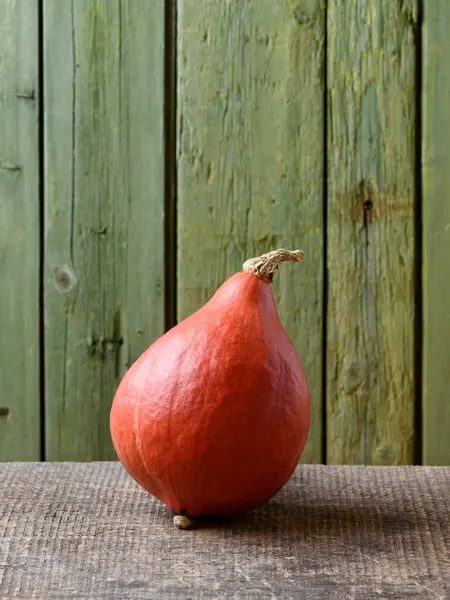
[370,232]
[298,124]
[104,210]
[436,230]
[250,160]
[19,232]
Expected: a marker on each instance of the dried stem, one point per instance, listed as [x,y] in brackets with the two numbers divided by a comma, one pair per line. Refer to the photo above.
[266,266]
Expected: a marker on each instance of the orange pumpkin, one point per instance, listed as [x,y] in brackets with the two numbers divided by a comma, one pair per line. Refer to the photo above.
[213,417]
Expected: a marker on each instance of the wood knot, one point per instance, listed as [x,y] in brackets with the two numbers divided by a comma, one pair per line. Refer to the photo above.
[363,209]
[65,279]
[302,16]
[385,454]
[366,192]
[353,378]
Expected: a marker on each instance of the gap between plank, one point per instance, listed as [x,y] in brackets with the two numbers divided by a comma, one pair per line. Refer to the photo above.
[170,164]
[40,150]
[418,249]
[325,240]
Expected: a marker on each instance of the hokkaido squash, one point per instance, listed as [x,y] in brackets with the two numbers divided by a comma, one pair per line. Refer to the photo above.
[213,417]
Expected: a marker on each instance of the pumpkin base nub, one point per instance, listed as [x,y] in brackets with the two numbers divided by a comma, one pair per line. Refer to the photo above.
[182,522]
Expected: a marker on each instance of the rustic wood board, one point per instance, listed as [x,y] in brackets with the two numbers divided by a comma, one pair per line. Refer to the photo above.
[19,231]
[104,210]
[88,531]
[251,162]
[371,213]
[436,233]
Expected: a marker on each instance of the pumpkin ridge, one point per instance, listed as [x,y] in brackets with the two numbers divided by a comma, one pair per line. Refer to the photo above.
[137,438]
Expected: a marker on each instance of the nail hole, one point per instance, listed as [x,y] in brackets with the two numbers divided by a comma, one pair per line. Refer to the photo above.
[102,231]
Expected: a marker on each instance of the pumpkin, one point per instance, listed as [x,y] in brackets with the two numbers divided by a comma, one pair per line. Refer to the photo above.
[212,419]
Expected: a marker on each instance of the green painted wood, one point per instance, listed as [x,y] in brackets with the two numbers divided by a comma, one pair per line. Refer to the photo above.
[371,141]
[104,202]
[250,159]
[436,233]
[19,232]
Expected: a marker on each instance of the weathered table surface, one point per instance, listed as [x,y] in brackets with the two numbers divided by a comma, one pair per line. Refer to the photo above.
[88,531]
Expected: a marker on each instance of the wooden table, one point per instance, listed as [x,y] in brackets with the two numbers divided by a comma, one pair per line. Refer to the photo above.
[88,531]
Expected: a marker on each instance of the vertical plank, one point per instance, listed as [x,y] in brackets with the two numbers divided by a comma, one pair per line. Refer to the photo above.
[250,159]
[436,233]
[371,155]
[104,233]
[19,232]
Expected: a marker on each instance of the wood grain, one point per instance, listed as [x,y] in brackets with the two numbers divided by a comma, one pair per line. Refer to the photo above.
[104,231]
[371,211]
[89,531]
[436,233]
[19,231]
[250,159]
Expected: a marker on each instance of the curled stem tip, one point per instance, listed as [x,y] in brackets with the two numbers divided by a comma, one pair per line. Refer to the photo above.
[182,522]
[266,266]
